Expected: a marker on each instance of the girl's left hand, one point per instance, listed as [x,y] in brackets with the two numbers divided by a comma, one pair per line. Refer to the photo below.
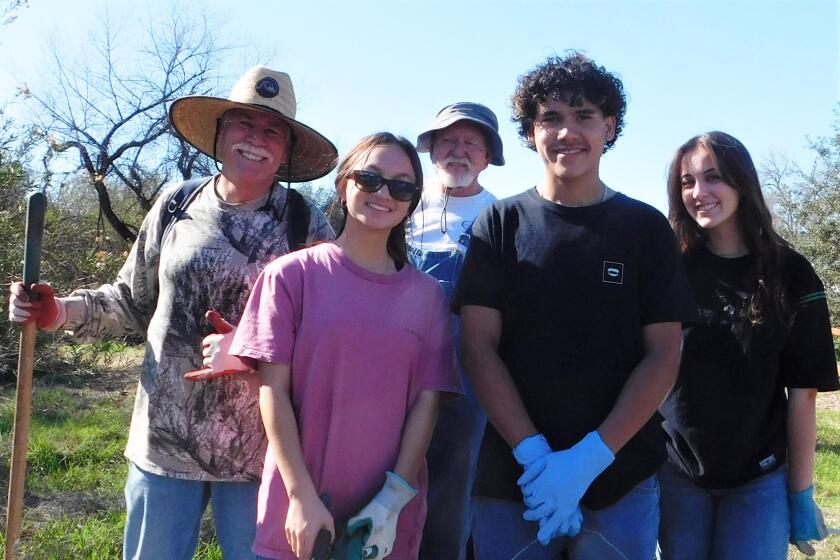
[806,520]
[380,516]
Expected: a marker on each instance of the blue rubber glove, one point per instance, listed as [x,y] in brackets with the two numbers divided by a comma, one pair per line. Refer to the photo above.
[806,520]
[553,485]
[527,452]
[553,524]
[531,449]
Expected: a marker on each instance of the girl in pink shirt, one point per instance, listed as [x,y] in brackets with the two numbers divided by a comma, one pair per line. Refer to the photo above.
[354,346]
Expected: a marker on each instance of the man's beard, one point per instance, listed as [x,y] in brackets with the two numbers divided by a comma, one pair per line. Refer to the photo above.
[451,180]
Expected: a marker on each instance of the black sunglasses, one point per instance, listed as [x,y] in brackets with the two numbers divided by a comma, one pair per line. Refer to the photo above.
[368,181]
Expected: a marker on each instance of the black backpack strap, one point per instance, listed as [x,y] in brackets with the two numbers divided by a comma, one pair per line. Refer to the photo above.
[178,202]
[182,197]
[298,220]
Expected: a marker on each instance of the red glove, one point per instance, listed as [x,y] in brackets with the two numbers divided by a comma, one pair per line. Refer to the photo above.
[215,348]
[47,311]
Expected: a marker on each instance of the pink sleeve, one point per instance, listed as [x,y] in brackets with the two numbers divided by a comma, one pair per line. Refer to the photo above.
[266,331]
[438,369]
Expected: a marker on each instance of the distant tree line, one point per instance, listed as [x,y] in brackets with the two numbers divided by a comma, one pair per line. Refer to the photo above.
[99,143]
[806,205]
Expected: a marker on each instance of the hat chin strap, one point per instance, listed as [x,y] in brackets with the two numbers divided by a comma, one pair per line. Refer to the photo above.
[268,204]
[215,143]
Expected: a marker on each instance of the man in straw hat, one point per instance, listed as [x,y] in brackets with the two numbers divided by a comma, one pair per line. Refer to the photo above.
[194,442]
[462,141]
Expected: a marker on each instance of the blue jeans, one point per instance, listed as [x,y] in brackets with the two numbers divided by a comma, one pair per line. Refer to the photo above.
[750,521]
[625,530]
[453,451]
[164,516]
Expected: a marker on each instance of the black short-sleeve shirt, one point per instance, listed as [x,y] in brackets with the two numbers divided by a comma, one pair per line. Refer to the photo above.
[726,416]
[575,286]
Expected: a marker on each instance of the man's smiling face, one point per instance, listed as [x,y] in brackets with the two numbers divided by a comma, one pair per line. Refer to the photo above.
[252,145]
[570,139]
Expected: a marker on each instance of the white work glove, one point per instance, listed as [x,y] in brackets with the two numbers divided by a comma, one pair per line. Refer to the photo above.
[381,515]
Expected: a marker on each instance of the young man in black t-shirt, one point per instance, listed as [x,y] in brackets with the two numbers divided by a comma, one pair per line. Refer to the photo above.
[571,302]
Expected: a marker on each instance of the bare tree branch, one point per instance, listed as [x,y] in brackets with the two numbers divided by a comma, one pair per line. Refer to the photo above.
[111,107]
[9,10]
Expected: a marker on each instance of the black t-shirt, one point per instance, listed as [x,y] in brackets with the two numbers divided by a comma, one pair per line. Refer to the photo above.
[574,286]
[726,416]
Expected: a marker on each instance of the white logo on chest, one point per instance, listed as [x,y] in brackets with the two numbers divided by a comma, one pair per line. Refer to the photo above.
[613,272]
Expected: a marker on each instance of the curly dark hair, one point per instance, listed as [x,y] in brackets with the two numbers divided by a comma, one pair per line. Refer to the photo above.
[571,78]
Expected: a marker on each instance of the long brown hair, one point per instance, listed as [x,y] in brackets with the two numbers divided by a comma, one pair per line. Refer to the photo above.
[736,169]
[396,245]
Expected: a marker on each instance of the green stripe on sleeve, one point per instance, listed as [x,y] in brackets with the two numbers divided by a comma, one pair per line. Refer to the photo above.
[808,298]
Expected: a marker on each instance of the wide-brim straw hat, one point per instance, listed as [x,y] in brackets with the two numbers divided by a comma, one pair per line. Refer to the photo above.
[195,118]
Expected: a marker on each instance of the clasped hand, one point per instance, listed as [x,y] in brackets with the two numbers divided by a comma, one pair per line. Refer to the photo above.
[553,484]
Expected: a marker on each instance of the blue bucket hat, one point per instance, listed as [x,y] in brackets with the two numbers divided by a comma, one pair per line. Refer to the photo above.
[466,111]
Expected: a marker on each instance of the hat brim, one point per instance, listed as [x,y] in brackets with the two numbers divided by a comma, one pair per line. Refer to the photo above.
[195,118]
[424,140]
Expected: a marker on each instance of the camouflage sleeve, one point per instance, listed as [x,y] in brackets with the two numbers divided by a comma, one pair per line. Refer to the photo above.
[126,305]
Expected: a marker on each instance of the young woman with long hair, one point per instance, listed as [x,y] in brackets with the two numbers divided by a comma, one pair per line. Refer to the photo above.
[354,347]
[741,417]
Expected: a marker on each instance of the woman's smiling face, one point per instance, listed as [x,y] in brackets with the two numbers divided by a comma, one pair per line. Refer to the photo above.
[379,210]
[710,201]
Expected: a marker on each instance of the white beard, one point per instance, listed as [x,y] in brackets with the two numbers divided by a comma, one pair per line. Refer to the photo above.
[454,181]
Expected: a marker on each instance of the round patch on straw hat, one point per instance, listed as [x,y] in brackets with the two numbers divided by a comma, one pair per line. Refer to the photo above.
[195,118]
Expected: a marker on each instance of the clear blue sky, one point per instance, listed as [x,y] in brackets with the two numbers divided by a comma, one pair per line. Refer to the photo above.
[764,71]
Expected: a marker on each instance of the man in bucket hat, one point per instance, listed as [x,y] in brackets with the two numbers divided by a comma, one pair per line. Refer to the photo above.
[194,442]
[463,140]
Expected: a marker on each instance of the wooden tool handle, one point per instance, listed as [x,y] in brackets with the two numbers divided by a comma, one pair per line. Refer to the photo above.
[35,213]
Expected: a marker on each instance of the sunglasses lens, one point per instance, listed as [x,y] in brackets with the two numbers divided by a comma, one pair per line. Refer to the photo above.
[367,181]
[402,190]
[371,182]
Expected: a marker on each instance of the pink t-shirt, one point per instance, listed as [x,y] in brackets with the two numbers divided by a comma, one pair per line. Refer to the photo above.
[361,347]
